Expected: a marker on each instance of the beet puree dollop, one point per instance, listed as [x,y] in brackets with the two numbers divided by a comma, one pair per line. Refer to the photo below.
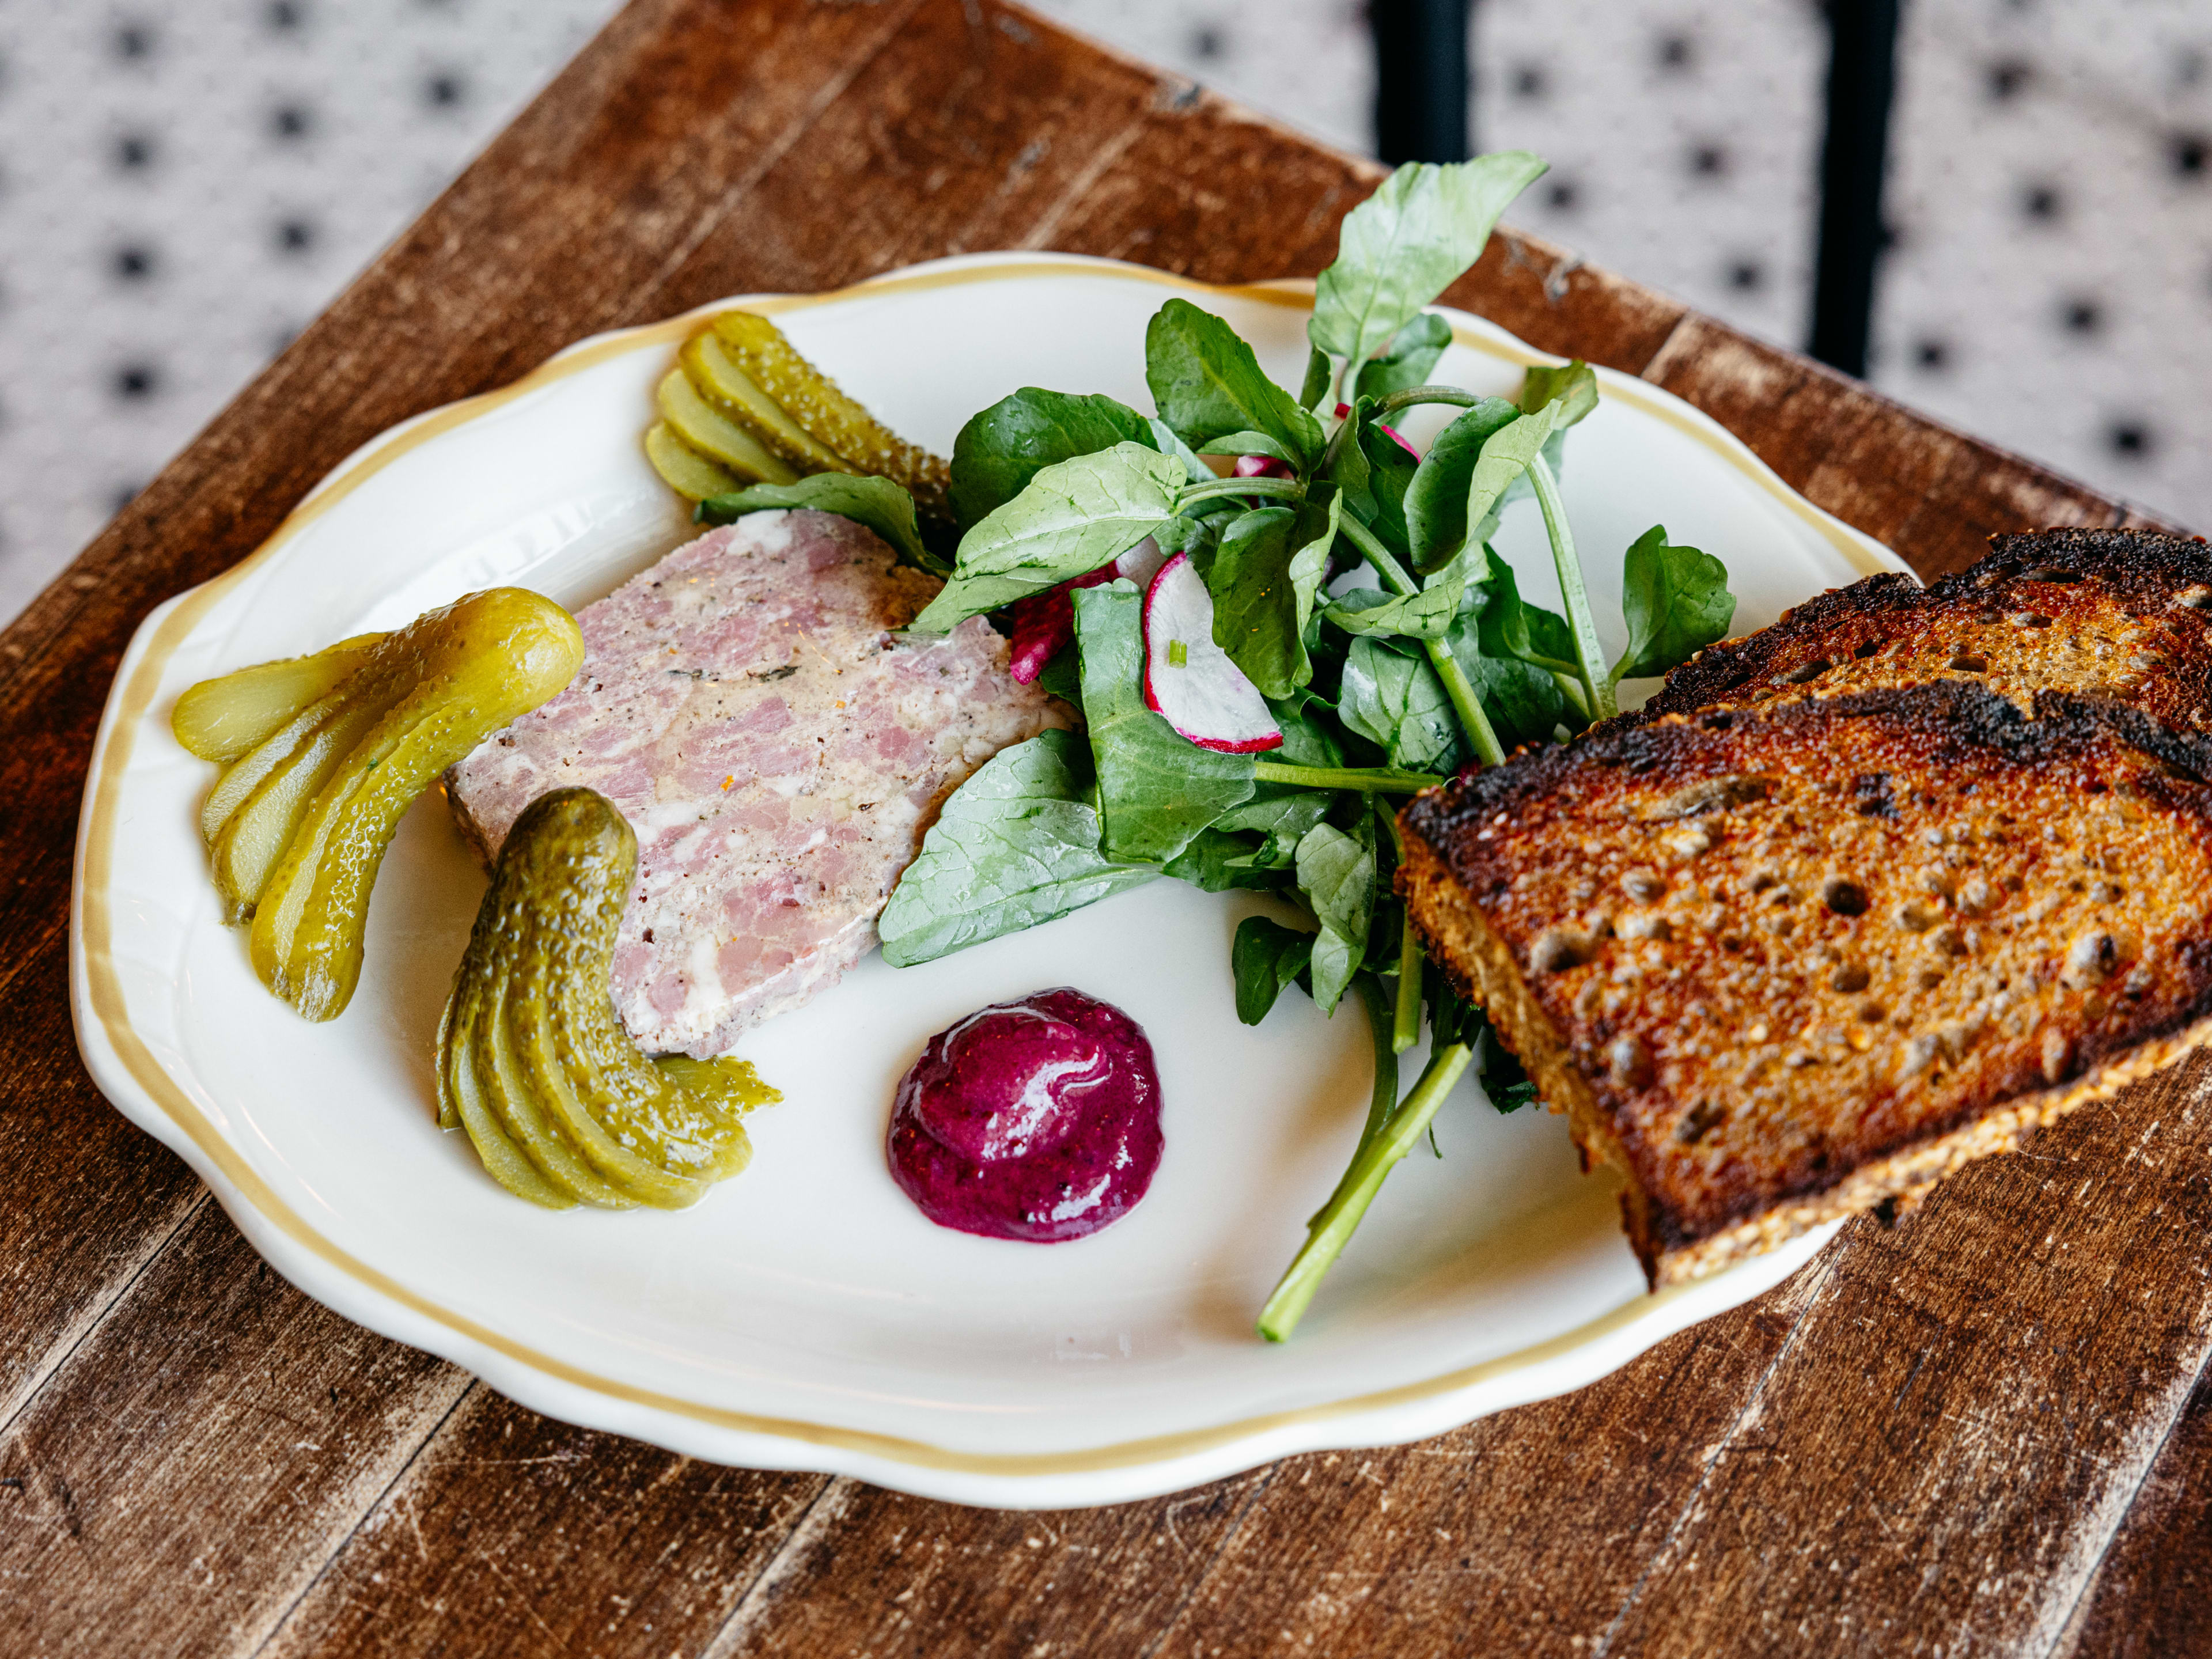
[1037,1120]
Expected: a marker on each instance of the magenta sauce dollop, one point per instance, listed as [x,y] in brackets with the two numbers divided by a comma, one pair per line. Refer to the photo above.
[1037,1120]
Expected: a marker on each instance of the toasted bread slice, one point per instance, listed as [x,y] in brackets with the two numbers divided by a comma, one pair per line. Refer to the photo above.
[2119,612]
[1779,967]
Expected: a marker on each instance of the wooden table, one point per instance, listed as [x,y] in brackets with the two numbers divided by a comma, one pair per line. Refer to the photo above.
[1985,1430]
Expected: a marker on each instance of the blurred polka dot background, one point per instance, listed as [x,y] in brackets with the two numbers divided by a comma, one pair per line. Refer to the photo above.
[184,184]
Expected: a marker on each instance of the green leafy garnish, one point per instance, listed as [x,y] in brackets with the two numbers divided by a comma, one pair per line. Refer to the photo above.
[1394,699]
[1264,958]
[1156,790]
[1379,691]
[1572,385]
[1336,871]
[1016,845]
[1676,601]
[1264,575]
[1437,497]
[1208,384]
[1069,519]
[1003,446]
[1427,614]
[1408,359]
[1406,243]
[882,506]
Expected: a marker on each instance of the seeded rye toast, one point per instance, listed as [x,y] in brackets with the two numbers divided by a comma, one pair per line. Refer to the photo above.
[2122,612]
[2114,615]
[1779,967]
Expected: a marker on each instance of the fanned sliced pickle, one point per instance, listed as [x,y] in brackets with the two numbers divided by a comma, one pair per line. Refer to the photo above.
[716,435]
[220,720]
[716,377]
[439,687]
[297,824]
[252,835]
[756,347]
[683,468]
[560,1105]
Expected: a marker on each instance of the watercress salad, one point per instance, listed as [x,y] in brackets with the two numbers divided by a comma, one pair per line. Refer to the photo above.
[1362,688]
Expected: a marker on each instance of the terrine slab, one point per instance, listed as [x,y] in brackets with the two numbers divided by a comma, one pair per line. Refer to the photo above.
[805,1315]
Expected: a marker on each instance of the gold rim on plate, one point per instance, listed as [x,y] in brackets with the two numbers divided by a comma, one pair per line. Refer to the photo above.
[105,995]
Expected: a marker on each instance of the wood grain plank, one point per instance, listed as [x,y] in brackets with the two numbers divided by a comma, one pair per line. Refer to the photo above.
[1519,1534]
[512,1535]
[1973,1401]
[91,1199]
[2153,1592]
[192,1464]
[893,1574]
[968,128]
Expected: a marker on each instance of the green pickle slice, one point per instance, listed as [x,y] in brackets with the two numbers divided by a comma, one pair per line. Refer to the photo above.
[717,379]
[755,349]
[716,435]
[683,468]
[533,1063]
[463,673]
[220,720]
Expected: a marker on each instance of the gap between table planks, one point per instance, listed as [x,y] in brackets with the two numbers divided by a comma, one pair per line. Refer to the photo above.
[1984,1429]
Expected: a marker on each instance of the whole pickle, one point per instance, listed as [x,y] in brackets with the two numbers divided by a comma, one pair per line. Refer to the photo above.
[426,695]
[757,347]
[562,1106]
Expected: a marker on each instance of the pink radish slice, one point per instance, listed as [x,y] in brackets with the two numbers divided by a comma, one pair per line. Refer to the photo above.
[1261,466]
[1343,409]
[1205,697]
[1045,622]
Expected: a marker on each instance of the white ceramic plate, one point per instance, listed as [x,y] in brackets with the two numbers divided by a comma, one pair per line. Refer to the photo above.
[805,1315]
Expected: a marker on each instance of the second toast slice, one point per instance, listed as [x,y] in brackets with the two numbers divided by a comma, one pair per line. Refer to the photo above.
[1782,966]
[2121,613]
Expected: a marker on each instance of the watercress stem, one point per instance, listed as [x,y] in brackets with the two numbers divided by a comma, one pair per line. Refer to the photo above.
[1200,492]
[1589,654]
[1570,687]
[1479,735]
[1371,549]
[1378,779]
[1383,1096]
[1406,1018]
[1338,1219]
[1424,394]
[1405,1022]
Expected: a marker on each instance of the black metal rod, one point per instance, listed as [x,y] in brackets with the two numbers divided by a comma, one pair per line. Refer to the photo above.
[1862,86]
[1420,79]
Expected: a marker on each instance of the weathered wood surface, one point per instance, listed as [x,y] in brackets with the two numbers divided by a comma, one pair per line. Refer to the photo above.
[1985,1430]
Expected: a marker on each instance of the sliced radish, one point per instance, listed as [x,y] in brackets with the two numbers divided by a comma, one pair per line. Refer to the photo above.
[1261,466]
[1045,622]
[1139,564]
[1189,679]
[1343,409]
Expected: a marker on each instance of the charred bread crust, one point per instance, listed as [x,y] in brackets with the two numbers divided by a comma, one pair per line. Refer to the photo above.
[2117,611]
[1958,922]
